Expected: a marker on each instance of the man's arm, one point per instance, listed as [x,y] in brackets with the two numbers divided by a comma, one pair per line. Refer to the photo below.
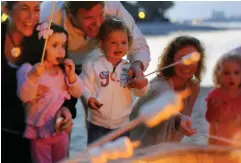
[139,50]
[70,104]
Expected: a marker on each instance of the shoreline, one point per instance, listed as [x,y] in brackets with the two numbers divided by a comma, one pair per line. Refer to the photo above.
[165,28]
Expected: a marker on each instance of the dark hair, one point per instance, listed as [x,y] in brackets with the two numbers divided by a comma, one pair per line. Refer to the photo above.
[74,6]
[9,4]
[173,47]
[33,47]
[232,56]
[113,24]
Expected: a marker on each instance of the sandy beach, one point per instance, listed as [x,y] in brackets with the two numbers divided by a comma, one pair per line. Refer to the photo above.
[216,43]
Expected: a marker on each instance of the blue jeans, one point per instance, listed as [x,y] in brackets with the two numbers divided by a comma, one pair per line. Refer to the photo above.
[95,132]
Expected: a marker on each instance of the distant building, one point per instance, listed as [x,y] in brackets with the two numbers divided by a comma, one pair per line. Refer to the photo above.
[218,16]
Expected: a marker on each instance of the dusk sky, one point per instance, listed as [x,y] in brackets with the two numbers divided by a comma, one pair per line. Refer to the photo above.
[183,10]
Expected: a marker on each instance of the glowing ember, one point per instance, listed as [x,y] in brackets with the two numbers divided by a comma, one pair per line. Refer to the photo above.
[120,148]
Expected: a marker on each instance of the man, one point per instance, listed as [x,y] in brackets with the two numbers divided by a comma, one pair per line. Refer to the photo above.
[82,20]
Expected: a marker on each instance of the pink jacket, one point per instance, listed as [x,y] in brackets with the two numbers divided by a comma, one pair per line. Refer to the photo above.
[41,107]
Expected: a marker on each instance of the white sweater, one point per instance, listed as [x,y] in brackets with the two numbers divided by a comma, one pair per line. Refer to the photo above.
[82,49]
[103,83]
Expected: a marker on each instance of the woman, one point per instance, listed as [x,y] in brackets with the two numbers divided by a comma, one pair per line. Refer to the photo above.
[23,17]
[176,78]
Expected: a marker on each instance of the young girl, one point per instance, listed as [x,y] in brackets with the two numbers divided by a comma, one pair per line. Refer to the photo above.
[43,87]
[108,97]
[224,102]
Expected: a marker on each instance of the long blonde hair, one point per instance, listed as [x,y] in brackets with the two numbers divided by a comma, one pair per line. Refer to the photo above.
[218,67]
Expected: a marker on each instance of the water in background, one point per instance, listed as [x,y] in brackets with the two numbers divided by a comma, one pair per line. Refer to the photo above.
[229,25]
[216,43]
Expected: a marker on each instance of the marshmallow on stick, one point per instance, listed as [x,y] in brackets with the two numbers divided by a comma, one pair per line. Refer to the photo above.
[163,107]
[188,59]
[120,148]
[191,58]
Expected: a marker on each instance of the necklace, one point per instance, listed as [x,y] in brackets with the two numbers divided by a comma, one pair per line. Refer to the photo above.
[16,50]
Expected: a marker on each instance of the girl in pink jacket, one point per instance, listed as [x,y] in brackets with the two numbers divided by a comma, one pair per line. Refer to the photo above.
[43,88]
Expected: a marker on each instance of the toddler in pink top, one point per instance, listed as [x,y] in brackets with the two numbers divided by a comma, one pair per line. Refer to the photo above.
[43,88]
[224,102]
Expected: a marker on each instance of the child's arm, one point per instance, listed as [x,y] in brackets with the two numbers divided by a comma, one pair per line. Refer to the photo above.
[213,110]
[219,111]
[88,77]
[75,88]
[27,81]
[73,82]
[228,113]
[137,88]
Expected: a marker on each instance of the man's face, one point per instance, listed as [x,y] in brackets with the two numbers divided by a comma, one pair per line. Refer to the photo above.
[89,21]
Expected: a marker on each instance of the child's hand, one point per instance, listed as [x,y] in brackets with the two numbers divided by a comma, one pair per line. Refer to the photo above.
[36,72]
[94,104]
[39,68]
[69,67]
[70,70]
[135,77]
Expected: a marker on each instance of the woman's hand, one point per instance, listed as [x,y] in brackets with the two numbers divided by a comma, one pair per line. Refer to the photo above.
[186,126]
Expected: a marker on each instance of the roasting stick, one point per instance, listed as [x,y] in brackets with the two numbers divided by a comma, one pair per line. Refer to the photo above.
[225,140]
[186,60]
[161,109]
[50,21]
